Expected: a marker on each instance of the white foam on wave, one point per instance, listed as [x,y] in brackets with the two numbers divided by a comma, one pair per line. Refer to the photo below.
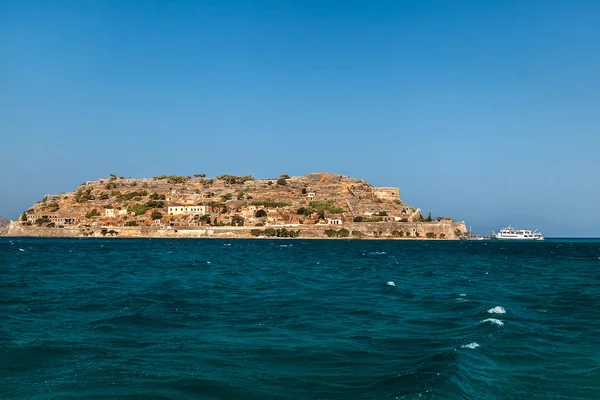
[391,283]
[494,321]
[462,294]
[497,310]
[472,345]
[227,244]
[21,250]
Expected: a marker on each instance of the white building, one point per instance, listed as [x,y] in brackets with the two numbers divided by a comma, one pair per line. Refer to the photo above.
[311,195]
[109,212]
[334,221]
[186,210]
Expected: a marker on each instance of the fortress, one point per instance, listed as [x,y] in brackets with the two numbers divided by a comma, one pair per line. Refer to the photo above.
[316,205]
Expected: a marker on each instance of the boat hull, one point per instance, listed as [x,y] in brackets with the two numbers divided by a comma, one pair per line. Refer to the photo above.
[517,239]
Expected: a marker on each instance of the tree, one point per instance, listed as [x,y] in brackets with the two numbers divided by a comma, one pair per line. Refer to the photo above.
[156,214]
[304,191]
[331,232]
[237,220]
[260,213]
[285,176]
[281,181]
[429,217]
[305,211]
[93,213]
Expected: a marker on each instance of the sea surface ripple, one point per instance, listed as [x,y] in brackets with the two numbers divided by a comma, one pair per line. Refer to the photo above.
[298,319]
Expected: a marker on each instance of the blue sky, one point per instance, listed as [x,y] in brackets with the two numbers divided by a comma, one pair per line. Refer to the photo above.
[485,111]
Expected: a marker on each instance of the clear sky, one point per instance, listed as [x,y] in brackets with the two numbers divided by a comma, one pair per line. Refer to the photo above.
[485,111]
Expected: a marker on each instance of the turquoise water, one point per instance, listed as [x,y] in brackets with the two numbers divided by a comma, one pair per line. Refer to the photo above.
[299,319]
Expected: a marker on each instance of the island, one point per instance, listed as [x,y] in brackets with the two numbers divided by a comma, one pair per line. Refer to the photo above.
[316,205]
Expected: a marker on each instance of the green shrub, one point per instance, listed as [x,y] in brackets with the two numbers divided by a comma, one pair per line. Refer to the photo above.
[430,235]
[328,205]
[331,232]
[131,223]
[226,197]
[358,234]
[156,215]
[131,195]
[81,196]
[260,213]
[281,182]
[271,204]
[176,179]
[155,204]
[305,211]
[233,179]
[237,220]
[138,209]
[271,232]
[93,213]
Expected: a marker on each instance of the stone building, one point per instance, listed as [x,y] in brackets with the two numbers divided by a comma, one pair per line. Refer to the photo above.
[186,210]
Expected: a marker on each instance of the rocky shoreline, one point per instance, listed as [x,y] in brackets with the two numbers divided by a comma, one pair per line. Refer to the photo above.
[441,230]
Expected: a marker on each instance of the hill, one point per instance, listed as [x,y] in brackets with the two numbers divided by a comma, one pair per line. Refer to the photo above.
[313,205]
[3,222]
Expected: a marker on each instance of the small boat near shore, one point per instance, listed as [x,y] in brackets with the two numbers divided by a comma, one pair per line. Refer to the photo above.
[517,234]
[471,236]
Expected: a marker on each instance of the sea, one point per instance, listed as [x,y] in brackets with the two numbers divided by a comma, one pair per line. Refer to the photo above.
[299,319]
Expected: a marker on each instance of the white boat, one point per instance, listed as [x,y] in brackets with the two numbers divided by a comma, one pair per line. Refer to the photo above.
[517,234]
[470,236]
